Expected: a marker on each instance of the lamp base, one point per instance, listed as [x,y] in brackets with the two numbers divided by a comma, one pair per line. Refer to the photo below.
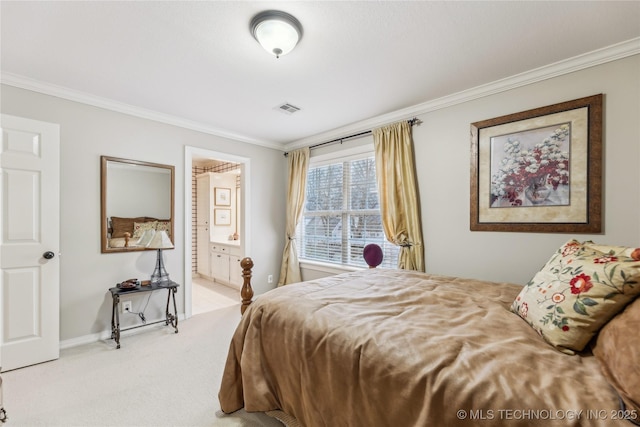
[159,274]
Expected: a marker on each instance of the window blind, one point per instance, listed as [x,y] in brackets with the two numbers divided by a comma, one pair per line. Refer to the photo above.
[342,214]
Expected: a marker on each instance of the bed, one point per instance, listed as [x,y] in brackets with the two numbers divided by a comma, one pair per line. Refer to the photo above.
[125,232]
[400,348]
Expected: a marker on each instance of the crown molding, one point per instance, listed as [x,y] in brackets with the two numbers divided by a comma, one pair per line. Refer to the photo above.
[120,107]
[608,54]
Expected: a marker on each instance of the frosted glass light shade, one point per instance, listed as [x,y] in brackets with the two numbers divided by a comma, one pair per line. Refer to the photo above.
[277,32]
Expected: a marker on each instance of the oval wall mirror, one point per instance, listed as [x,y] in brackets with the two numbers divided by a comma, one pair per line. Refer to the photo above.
[135,196]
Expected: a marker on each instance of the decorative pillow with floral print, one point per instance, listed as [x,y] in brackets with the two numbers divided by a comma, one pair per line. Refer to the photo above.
[164,226]
[140,227]
[578,290]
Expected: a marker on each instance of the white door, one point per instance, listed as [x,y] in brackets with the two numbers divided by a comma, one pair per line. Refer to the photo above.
[29,242]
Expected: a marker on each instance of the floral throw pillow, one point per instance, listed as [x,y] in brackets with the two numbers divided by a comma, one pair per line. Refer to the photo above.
[164,226]
[578,290]
[140,227]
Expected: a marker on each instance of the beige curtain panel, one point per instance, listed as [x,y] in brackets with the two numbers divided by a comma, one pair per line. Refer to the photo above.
[399,204]
[297,183]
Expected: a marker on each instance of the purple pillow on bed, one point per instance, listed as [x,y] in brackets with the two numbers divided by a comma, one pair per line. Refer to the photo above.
[372,254]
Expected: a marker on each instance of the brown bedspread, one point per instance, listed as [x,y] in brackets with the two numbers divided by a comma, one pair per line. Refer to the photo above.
[399,348]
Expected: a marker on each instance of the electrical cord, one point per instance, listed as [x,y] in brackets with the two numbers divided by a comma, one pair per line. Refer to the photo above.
[140,314]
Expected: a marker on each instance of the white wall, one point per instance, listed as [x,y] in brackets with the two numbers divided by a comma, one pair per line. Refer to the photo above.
[88,132]
[442,151]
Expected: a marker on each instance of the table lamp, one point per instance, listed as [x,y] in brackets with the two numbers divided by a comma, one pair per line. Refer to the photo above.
[160,241]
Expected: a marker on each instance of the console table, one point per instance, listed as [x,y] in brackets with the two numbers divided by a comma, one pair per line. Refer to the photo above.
[170,318]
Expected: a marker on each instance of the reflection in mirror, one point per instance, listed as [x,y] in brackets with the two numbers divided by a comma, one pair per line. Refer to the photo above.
[136,196]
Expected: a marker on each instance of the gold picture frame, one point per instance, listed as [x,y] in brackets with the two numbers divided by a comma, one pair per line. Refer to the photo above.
[222,216]
[539,170]
[222,196]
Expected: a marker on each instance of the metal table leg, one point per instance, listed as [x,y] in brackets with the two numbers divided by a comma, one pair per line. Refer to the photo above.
[115,320]
[172,318]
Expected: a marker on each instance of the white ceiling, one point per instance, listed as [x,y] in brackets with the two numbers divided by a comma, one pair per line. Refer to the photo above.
[196,63]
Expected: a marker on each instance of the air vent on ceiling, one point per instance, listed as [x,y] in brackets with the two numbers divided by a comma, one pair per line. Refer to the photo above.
[288,108]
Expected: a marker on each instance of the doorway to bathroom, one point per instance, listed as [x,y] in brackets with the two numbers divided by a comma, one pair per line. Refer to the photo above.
[216,232]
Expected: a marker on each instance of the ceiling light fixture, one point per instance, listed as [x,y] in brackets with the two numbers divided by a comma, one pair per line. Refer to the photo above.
[277,32]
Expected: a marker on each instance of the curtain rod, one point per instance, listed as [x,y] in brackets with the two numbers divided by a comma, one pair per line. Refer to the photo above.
[355,135]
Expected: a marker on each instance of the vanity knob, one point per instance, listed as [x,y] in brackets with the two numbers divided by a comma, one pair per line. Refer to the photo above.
[48,255]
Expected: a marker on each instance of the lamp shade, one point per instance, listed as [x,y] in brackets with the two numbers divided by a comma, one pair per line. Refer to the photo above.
[160,240]
[277,32]
[146,238]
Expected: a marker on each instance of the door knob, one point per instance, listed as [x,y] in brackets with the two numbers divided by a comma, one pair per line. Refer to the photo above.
[48,255]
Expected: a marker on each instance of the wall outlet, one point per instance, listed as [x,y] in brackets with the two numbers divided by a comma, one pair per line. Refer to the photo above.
[126,307]
[270,278]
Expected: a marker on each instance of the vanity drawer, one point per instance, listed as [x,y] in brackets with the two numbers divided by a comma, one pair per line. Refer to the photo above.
[215,247]
[225,249]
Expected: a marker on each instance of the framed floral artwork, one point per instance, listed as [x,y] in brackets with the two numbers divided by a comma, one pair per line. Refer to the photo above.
[222,196]
[539,170]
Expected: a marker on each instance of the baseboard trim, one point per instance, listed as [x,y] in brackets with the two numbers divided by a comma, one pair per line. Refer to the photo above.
[106,335]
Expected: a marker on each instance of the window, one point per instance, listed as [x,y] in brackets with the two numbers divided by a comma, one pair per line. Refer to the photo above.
[342,214]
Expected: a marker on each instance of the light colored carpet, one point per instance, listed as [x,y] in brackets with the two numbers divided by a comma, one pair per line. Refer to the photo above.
[157,378]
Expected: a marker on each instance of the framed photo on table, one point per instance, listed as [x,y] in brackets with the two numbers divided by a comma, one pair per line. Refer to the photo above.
[539,170]
[222,196]
[222,216]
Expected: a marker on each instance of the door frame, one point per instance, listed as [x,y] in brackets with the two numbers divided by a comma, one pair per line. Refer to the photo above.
[245,223]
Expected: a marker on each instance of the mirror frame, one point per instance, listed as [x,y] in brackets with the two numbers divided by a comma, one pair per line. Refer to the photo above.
[104,244]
